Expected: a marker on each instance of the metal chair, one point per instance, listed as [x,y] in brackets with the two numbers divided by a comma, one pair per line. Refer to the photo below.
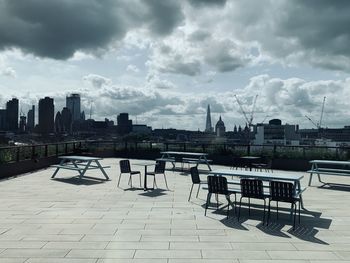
[195,180]
[125,168]
[283,192]
[252,188]
[158,169]
[218,185]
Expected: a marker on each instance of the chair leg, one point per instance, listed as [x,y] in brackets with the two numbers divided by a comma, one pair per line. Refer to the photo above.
[277,209]
[199,186]
[129,179]
[166,183]
[154,181]
[299,211]
[295,213]
[239,208]
[228,205]
[190,193]
[268,213]
[140,180]
[248,205]
[207,203]
[264,211]
[120,175]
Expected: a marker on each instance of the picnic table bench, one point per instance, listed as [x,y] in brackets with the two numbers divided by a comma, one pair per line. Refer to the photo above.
[328,167]
[80,164]
[185,157]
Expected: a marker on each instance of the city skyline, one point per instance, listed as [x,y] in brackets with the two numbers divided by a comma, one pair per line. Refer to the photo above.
[165,63]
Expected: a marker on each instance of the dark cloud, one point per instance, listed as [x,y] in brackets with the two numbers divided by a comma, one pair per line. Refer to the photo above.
[56,29]
[203,3]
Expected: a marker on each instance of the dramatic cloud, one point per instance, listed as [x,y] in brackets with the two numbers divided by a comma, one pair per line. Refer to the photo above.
[8,71]
[57,29]
[97,81]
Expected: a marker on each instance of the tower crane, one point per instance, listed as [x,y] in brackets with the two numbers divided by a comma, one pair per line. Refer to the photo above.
[249,119]
[318,124]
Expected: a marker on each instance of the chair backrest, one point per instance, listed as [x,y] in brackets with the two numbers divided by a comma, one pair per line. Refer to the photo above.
[160,167]
[195,175]
[281,191]
[124,166]
[252,188]
[217,185]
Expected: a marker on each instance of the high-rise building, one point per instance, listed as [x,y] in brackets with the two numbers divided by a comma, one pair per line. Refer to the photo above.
[31,119]
[124,124]
[22,124]
[58,123]
[73,104]
[3,122]
[46,115]
[66,120]
[12,114]
[208,126]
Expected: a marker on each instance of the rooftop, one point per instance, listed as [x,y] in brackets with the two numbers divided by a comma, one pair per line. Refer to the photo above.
[70,220]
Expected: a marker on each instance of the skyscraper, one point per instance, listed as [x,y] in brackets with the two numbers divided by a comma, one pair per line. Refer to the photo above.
[46,115]
[31,119]
[12,114]
[66,120]
[208,126]
[3,122]
[73,104]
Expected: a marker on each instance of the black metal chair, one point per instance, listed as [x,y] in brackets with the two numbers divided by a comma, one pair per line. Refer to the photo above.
[125,168]
[158,169]
[252,188]
[195,180]
[283,192]
[218,185]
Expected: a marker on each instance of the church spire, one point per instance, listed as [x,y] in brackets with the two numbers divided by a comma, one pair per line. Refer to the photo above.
[208,126]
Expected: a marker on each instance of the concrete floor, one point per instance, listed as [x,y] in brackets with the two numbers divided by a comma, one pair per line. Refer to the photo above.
[68,220]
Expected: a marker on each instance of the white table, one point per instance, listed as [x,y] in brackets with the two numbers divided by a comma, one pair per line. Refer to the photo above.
[80,164]
[341,168]
[294,178]
[187,157]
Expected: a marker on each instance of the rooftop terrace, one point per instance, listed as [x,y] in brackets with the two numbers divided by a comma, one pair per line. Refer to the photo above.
[71,220]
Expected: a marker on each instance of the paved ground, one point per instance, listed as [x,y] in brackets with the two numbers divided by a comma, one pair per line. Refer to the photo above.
[64,220]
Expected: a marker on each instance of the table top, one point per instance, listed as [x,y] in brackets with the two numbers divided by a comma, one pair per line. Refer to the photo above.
[250,157]
[80,158]
[184,153]
[144,163]
[261,175]
[330,162]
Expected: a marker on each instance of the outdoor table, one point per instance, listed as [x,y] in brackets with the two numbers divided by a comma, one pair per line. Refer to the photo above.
[294,178]
[80,164]
[249,160]
[145,164]
[188,157]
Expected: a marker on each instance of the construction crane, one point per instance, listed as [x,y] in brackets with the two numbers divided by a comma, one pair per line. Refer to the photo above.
[249,119]
[319,124]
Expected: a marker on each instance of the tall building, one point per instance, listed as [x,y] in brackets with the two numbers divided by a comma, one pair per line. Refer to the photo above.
[22,124]
[31,119]
[58,123]
[124,124]
[3,122]
[46,115]
[73,104]
[12,114]
[66,120]
[208,126]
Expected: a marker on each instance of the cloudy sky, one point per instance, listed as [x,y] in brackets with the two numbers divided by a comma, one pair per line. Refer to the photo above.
[164,61]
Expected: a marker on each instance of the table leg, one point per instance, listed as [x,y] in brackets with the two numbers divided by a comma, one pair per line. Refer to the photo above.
[101,168]
[312,169]
[85,169]
[298,187]
[76,166]
[54,174]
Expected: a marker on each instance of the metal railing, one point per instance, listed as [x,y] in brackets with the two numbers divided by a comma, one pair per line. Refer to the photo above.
[28,152]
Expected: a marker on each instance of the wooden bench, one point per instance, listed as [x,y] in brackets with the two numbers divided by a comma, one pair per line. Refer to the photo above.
[332,170]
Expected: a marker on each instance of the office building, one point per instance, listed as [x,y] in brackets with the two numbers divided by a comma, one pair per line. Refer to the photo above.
[22,124]
[73,104]
[46,115]
[12,115]
[31,119]
[3,122]
[124,124]
[66,120]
